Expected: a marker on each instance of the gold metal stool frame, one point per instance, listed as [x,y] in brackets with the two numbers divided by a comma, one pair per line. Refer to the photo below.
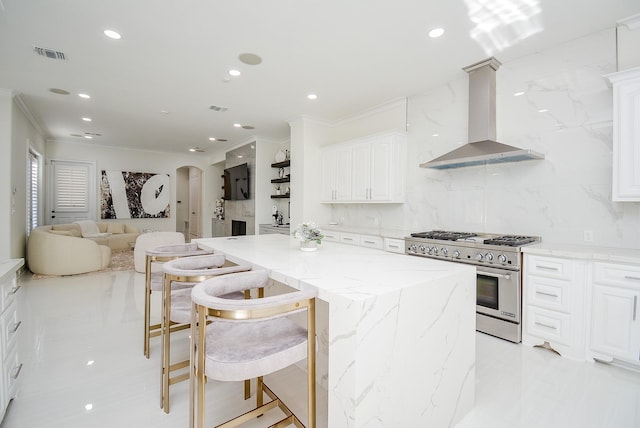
[165,360]
[201,317]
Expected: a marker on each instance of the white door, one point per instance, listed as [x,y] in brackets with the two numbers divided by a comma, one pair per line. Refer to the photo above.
[195,190]
[615,324]
[380,181]
[361,172]
[72,190]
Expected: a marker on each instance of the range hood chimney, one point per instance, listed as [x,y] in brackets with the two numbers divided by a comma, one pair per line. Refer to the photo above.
[482,147]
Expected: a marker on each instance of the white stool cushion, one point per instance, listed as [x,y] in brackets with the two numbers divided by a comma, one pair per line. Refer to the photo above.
[245,350]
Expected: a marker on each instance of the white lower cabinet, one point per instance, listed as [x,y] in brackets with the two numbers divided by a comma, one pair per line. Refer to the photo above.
[10,329]
[394,245]
[553,304]
[615,321]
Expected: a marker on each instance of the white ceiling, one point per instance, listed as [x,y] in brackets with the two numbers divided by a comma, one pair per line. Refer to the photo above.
[175,55]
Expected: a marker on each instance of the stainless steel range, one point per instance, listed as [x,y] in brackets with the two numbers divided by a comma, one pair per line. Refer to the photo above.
[498,259]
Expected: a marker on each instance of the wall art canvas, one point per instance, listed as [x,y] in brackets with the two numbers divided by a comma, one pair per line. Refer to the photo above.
[126,194]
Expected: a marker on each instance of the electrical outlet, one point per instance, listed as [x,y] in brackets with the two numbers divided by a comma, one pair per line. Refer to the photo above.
[588,236]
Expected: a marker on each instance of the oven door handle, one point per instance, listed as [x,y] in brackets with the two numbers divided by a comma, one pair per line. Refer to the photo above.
[495,275]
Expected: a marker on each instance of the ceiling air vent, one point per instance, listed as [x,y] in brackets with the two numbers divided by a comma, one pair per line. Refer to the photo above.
[218,108]
[50,53]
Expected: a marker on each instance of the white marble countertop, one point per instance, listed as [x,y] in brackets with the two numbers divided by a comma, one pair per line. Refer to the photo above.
[9,267]
[390,320]
[344,270]
[584,252]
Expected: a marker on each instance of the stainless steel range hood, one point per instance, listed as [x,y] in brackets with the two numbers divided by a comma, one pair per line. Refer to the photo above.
[482,147]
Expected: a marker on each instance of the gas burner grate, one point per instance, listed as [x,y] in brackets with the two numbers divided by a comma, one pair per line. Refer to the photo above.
[443,235]
[510,240]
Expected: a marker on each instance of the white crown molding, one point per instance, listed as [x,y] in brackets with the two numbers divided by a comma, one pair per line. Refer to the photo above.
[632,22]
[30,117]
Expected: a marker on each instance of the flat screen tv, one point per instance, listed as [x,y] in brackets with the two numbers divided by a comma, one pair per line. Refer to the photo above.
[236,182]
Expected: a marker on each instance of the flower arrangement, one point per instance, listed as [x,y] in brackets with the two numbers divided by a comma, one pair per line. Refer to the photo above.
[307,232]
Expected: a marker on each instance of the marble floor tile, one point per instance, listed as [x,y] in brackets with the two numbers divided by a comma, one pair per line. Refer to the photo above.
[81,346]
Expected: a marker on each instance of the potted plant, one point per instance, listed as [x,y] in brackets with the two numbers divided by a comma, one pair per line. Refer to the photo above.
[309,235]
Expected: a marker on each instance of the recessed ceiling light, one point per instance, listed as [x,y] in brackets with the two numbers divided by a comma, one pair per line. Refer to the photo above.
[59,91]
[212,138]
[436,32]
[239,156]
[250,58]
[90,362]
[435,135]
[164,111]
[88,407]
[237,125]
[85,96]
[543,110]
[86,119]
[312,96]
[234,73]
[112,34]
[196,149]
[88,137]
[517,94]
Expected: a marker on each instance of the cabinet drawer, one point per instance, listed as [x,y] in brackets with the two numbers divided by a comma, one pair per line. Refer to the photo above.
[12,369]
[549,293]
[330,235]
[394,245]
[551,267]
[371,241]
[10,325]
[8,290]
[614,274]
[548,325]
[350,238]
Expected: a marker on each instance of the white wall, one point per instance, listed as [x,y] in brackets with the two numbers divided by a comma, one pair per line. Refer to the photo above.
[557,198]
[5,173]
[108,158]
[17,133]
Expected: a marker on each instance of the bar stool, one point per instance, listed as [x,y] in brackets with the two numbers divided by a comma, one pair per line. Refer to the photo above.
[180,275]
[233,340]
[153,280]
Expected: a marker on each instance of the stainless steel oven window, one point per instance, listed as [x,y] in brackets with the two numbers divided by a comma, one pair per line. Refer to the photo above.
[487,294]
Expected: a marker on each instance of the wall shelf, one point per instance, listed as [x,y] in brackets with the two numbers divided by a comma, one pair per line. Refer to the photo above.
[281,180]
[282,164]
[280,196]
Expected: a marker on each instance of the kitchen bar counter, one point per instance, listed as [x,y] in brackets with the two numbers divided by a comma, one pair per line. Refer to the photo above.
[401,329]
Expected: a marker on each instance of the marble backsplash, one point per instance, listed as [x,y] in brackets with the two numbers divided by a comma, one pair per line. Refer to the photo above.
[565,112]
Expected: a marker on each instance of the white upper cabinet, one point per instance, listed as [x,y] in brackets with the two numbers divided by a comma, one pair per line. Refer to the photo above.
[367,170]
[626,134]
[336,174]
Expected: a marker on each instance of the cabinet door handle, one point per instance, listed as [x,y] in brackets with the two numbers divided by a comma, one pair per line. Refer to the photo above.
[547,268]
[369,242]
[547,294]
[635,306]
[15,327]
[17,373]
[347,239]
[393,246]
[633,278]
[546,325]
[14,290]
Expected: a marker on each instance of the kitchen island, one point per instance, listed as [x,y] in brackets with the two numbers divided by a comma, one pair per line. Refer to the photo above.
[401,330]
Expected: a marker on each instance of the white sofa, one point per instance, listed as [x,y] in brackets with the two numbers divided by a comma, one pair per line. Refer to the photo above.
[61,249]
[59,252]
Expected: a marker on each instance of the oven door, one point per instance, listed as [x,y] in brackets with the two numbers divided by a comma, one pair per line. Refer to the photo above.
[498,293]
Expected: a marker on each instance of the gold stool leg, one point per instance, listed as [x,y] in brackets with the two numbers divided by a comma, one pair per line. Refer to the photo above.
[147,305]
[166,344]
